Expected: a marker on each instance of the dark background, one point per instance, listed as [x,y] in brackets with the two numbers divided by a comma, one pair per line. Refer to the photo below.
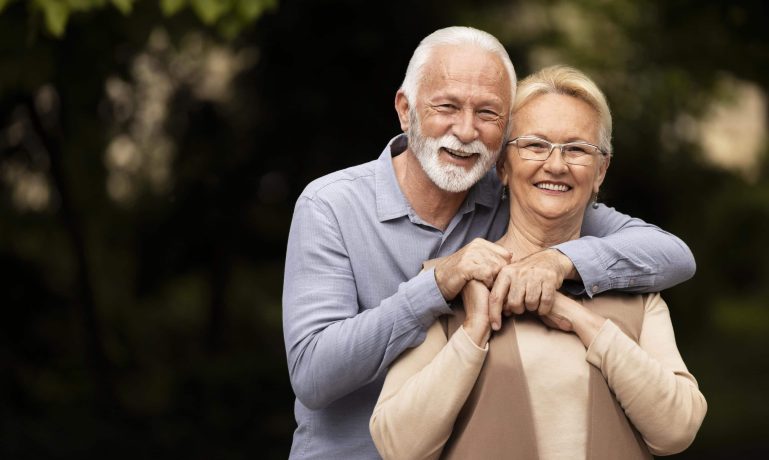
[151,154]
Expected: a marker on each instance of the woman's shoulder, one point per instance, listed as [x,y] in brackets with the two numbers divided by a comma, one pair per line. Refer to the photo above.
[645,300]
[626,310]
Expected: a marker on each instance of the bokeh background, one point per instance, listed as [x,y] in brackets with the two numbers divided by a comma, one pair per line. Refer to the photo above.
[151,153]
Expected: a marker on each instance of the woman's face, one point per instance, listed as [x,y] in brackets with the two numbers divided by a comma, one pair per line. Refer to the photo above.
[552,188]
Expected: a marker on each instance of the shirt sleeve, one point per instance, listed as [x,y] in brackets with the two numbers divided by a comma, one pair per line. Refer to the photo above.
[651,381]
[423,393]
[620,252]
[334,348]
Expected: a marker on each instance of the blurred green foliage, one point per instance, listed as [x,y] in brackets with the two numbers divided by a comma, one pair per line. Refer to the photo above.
[151,152]
[228,16]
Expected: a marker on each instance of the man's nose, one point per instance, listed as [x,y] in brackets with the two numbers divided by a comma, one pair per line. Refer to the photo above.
[464,126]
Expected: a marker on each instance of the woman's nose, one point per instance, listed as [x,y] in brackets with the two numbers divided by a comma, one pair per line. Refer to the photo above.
[554,162]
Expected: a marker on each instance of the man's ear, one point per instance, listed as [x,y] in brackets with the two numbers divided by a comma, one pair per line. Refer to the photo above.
[402,107]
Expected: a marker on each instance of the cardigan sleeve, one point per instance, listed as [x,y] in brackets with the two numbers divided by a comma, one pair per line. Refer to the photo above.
[650,380]
[423,393]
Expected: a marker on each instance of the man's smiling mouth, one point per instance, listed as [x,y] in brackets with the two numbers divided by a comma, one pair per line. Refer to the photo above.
[458,153]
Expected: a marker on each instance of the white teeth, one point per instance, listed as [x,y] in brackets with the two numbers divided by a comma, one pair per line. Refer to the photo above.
[556,187]
[458,153]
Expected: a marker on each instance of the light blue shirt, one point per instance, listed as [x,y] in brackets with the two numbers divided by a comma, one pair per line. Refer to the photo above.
[354,298]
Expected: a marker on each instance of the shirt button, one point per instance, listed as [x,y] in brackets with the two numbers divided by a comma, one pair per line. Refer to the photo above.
[594,288]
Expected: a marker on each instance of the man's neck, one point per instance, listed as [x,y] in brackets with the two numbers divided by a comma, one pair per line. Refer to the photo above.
[434,206]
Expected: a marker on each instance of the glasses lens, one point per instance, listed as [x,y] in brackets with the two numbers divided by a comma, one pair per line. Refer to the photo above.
[532,148]
[578,153]
[574,153]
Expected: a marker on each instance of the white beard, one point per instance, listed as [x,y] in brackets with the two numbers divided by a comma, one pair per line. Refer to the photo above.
[448,177]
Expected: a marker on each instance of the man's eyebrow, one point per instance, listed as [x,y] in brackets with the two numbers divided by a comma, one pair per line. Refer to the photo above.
[492,100]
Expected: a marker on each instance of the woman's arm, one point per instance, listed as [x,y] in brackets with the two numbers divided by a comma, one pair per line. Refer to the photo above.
[427,386]
[649,378]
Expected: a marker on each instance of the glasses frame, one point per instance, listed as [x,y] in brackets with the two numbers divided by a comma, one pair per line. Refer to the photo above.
[553,146]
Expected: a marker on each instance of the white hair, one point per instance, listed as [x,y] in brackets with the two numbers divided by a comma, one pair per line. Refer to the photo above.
[452,36]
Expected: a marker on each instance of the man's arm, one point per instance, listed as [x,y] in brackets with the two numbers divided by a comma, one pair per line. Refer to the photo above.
[616,252]
[625,253]
[334,349]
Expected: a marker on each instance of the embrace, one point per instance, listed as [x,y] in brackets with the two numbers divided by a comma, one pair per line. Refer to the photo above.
[464,310]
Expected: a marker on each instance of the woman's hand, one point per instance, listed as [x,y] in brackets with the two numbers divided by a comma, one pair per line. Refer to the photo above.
[569,315]
[529,284]
[475,296]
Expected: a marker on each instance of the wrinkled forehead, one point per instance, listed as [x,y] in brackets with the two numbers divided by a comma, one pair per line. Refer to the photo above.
[467,67]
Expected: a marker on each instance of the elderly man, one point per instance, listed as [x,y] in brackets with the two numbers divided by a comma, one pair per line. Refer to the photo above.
[355,295]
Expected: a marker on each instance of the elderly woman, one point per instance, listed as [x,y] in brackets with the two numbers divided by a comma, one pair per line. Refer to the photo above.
[596,378]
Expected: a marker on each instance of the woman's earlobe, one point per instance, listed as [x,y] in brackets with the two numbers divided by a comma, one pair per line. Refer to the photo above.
[501,171]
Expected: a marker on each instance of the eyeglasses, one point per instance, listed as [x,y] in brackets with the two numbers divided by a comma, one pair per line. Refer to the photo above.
[573,153]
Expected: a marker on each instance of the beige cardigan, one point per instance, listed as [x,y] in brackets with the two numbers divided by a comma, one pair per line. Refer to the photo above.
[431,387]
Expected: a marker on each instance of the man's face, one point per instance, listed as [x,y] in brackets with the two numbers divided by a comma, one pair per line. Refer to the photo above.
[457,125]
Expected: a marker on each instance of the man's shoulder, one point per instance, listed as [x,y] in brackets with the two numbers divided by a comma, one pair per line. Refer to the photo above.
[352,180]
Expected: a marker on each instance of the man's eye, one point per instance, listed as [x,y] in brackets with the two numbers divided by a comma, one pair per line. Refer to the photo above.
[447,107]
[488,115]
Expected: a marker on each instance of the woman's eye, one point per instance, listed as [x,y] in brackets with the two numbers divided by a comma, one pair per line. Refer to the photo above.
[536,146]
[576,150]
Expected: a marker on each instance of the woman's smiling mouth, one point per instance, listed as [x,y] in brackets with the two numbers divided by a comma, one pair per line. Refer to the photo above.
[552,186]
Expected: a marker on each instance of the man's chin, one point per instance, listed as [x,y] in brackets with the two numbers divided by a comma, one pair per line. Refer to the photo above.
[453,184]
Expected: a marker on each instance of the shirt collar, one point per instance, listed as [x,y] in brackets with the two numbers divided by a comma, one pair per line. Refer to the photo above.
[390,201]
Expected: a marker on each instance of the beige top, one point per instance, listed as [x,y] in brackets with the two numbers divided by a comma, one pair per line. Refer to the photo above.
[427,386]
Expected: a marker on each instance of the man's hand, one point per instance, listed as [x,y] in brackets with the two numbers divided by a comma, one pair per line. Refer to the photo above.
[529,284]
[480,260]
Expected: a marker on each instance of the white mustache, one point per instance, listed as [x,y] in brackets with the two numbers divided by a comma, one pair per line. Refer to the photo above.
[451,142]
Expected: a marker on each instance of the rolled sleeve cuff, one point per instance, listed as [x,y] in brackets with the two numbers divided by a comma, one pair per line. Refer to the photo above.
[425,299]
[468,342]
[591,270]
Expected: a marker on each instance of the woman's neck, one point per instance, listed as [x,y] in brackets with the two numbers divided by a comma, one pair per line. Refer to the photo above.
[528,233]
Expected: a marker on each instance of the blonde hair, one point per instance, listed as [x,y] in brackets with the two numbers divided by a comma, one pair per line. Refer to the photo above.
[560,79]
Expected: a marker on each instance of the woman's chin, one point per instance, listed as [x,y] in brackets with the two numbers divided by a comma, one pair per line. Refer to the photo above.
[555,213]
[557,207]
